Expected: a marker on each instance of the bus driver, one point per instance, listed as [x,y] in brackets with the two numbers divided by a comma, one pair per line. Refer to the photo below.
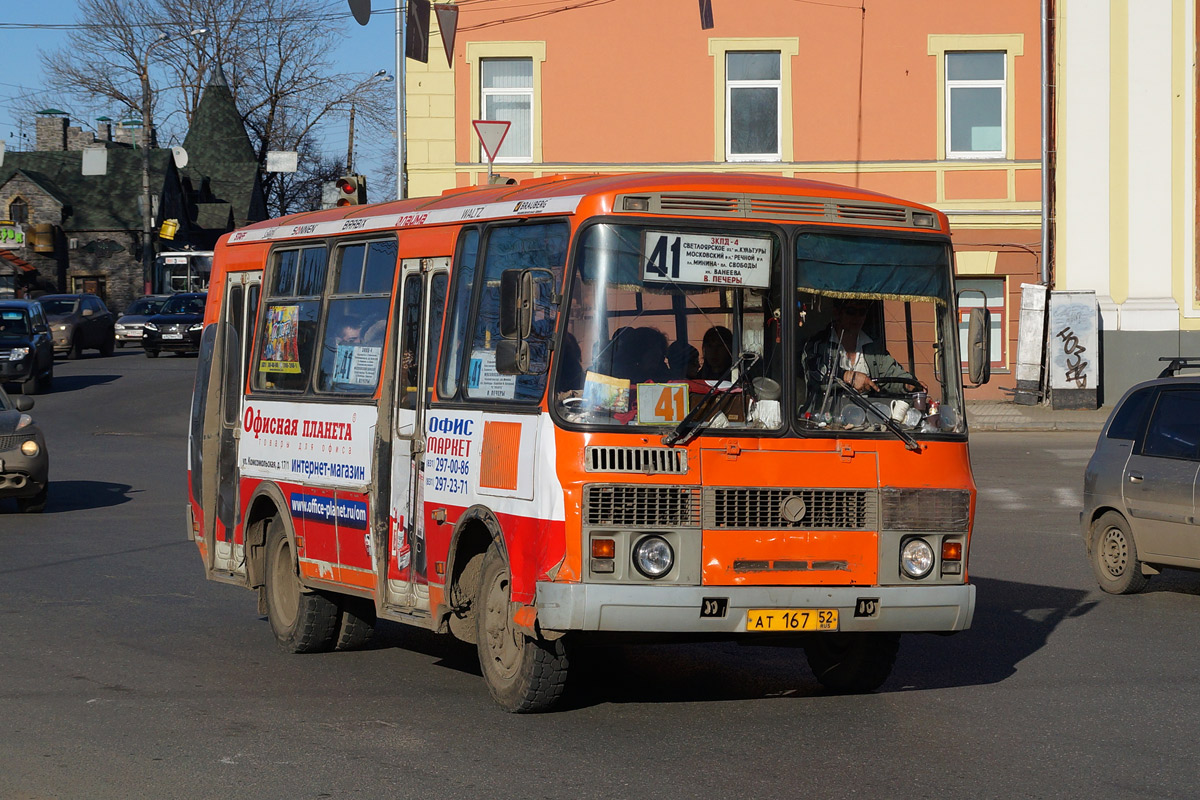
[844,350]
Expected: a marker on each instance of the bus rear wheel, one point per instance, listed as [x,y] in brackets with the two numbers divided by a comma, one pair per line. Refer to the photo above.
[523,674]
[852,662]
[302,620]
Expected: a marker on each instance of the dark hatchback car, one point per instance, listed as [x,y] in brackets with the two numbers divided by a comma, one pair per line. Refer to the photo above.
[79,322]
[24,462]
[26,349]
[1139,490]
[176,327]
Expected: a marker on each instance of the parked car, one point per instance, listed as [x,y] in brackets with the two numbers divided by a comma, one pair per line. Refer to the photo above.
[1139,502]
[26,348]
[79,322]
[24,462]
[176,328]
[129,325]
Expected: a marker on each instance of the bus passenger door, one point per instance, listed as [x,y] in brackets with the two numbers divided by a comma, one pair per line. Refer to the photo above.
[239,313]
[423,285]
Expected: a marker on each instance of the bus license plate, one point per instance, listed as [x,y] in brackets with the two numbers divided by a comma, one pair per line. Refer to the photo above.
[792,619]
[172,335]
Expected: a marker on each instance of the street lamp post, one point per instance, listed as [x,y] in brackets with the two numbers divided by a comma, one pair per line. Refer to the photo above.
[147,198]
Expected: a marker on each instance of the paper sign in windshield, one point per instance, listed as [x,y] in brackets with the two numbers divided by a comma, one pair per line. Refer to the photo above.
[720,260]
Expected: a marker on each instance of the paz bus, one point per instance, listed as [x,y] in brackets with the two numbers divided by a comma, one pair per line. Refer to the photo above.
[522,415]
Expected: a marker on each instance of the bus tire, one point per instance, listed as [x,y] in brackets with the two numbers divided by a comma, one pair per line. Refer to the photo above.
[302,620]
[852,662]
[523,674]
[356,623]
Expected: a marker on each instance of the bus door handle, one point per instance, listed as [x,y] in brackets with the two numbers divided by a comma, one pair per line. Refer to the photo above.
[1135,477]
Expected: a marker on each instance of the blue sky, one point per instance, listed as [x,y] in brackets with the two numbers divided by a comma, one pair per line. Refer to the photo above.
[366,49]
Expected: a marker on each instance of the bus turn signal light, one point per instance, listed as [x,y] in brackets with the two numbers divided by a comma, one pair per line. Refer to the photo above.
[604,548]
[951,551]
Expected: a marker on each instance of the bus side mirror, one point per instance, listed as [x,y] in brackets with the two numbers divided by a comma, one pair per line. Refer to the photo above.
[516,303]
[979,346]
[528,306]
[512,357]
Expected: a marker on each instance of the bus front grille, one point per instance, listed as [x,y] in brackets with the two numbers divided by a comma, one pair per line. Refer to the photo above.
[641,506]
[742,508]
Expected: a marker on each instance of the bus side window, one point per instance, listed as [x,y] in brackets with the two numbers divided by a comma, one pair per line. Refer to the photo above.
[293,307]
[356,318]
[537,246]
[437,310]
[464,283]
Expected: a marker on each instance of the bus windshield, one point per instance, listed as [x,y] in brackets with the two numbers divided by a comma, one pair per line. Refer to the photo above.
[675,328]
[876,323]
[662,320]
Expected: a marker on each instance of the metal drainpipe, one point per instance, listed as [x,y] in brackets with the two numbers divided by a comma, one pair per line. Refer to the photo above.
[1046,55]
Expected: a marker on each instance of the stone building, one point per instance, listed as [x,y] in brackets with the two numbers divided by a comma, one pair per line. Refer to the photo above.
[76,201]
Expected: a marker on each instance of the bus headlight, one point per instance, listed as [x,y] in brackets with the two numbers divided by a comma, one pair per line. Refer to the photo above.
[916,558]
[653,556]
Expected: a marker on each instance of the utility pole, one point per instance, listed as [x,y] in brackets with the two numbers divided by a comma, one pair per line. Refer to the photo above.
[350,146]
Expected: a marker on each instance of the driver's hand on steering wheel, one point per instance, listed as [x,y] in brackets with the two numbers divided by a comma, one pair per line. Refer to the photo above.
[860,381]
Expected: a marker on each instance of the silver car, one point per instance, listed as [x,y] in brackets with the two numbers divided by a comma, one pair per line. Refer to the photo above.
[130,324]
[1139,491]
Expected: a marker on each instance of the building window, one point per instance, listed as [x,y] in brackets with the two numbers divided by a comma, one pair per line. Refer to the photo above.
[975,105]
[987,293]
[18,211]
[753,106]
[506,93]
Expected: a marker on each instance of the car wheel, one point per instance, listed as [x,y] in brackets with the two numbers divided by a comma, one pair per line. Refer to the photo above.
[523,674]
[35,504]
[76,350]
[852,662]
[1114,556]
[45,383]
[31,386]
[302,620]
[151,354]
[106,347]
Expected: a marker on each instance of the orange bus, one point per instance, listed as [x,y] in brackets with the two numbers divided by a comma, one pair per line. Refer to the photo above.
[725,406]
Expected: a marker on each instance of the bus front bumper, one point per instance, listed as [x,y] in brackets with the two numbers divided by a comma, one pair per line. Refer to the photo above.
[677,609]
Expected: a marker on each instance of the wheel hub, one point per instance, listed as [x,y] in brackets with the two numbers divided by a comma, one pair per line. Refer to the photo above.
[502,644]
[1114,552]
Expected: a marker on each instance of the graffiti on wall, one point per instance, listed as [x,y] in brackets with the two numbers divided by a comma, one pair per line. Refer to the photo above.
[1074,340]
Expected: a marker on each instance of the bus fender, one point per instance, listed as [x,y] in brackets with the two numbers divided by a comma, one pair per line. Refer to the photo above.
[466,542]
[266,501]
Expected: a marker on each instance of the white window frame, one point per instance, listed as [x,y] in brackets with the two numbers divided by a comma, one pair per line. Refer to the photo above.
[528,92]
[1001,84]
[777,85]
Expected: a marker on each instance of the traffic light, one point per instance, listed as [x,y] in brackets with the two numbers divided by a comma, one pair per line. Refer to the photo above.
[351,190]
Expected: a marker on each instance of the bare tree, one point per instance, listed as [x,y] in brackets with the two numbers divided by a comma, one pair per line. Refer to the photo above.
[272,52]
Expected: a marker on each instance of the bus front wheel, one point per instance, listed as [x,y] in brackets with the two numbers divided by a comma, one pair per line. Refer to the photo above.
[852,662]
[302,620]
[523,674]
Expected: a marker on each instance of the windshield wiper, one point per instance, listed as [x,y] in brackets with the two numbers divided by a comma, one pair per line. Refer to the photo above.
[871,408]
[690,425]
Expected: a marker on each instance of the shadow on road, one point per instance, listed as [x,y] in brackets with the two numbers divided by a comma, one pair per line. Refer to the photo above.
[1012,622]
[83,495]
[71,383]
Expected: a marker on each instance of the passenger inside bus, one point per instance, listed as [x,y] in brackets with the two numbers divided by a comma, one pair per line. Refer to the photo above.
[718,353]
[683,360]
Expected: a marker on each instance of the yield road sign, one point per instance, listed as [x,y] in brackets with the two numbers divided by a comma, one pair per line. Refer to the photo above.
[491,133]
